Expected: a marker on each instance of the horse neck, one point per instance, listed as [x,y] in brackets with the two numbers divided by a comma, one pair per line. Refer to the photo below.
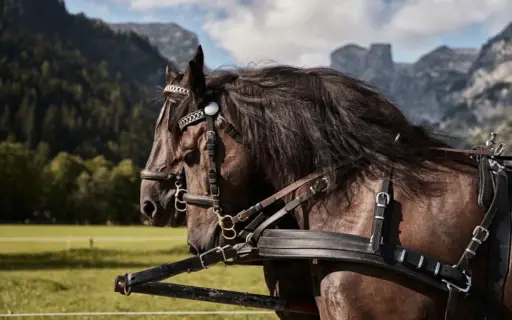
[349,211]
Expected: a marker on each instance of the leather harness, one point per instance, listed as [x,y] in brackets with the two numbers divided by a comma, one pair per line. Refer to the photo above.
[259,240]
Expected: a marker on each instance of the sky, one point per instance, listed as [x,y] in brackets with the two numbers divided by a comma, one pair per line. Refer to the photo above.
[305,32]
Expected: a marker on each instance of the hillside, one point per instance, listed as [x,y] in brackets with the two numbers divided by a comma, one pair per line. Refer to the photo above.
[173,42]
[75,84]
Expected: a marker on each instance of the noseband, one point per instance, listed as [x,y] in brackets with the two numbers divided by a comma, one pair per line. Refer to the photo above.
[179,181]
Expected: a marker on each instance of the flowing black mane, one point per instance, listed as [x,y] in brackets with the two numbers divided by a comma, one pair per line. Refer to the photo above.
[295,121]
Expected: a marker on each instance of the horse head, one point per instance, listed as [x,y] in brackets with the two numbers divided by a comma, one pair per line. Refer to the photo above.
[163,181]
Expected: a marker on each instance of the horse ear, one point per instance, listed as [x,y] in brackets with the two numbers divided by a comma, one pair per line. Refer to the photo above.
[194,77]
[199,57]
[169,75]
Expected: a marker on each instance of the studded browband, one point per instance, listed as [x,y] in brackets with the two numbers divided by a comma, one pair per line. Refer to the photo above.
[210,110]
[172,88]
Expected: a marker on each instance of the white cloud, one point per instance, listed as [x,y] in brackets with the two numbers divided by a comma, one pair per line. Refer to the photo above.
[304,32]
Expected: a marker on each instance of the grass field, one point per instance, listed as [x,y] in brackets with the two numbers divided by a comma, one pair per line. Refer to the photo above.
[45,277]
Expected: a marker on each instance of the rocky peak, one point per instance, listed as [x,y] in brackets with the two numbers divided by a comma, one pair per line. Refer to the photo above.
[445,61]
[350,58]
[379,57]
[495,51]
[505,34]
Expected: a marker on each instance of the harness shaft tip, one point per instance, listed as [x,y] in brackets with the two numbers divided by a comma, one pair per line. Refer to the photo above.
[120,285]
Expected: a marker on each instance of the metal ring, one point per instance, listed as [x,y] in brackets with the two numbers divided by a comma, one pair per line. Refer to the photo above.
[229,230]
[226,218]
[177,208]
[177,201]
[126,292]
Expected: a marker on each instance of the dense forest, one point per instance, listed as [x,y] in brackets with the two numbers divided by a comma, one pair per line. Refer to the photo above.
[78,104]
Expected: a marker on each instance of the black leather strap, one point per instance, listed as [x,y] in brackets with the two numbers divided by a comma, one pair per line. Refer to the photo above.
[212,170]
[290,206]
[321,245]
[382,200]
[499,247]
[195,263]
[481,232]
[451,304]
[485,183]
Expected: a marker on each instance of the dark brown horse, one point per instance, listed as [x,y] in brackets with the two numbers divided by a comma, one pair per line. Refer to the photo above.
[163,187]
[282,123]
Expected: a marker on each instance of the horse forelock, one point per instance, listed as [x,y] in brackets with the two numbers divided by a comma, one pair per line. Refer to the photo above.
[295,121]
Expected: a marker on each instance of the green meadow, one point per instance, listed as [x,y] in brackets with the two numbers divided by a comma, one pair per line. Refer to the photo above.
[41,273]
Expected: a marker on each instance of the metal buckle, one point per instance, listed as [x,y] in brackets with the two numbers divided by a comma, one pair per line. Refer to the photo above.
[216,194]
[216,249]
[494,149]
[387,197]
[248,239]
[327,185]
[485,231]
[496,166]
[450,285]
[210,134]
[126,288]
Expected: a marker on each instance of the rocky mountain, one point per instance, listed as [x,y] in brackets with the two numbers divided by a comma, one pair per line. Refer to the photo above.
[484,98]
[174,42]
[419,88]
[465,92]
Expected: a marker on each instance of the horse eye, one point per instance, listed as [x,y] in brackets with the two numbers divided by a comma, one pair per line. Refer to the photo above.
[189,156]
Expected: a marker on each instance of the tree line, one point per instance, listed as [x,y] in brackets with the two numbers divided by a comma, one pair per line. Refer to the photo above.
[66,188]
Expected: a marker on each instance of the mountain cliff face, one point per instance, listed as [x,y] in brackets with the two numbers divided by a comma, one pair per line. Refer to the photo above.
[484,101]
[173,42]
[418,88]
[465,92]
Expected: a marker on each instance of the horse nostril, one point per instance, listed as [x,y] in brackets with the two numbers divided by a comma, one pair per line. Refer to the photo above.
[149,208]
[192,249]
